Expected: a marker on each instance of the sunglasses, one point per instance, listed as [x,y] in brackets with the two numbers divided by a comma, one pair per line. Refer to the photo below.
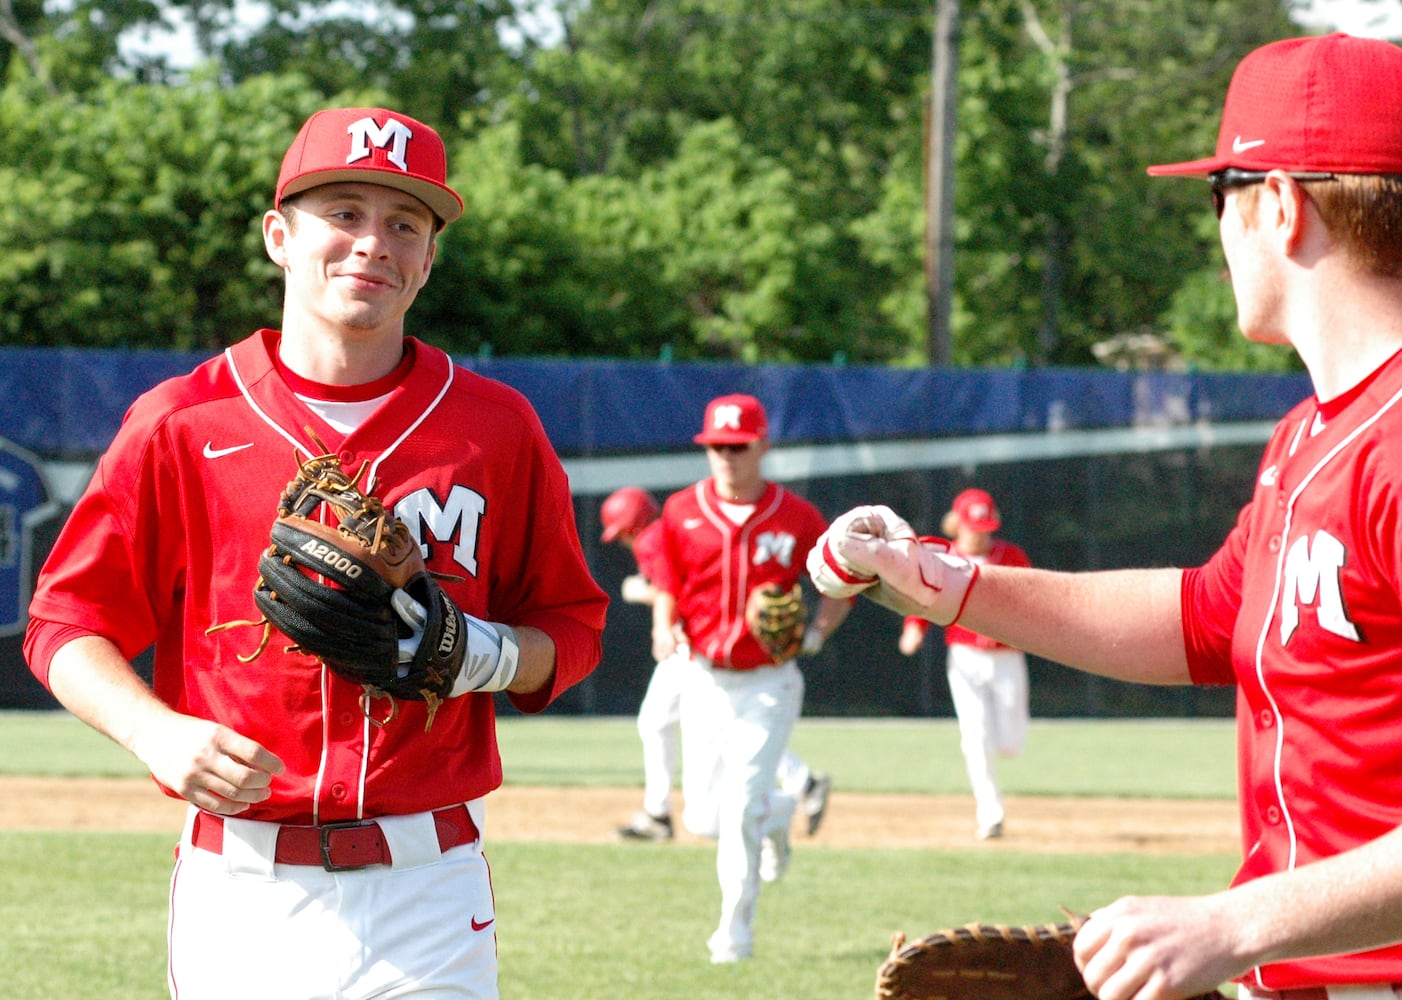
[729,449]
[1231,177]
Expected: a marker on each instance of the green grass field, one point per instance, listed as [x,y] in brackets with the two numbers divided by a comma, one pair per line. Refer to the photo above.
[85,912]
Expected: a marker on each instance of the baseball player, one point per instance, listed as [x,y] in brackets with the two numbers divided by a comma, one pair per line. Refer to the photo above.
[630,518]
[987,679]
[1301,608]
[333,845]
[722,538]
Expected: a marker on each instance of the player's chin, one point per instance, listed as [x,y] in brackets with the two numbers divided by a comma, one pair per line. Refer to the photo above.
[370,316]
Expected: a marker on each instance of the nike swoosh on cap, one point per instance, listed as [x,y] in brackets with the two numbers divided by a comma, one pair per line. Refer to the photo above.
[1240,146]
[212,452]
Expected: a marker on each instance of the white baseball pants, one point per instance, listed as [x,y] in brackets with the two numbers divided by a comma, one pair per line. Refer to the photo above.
[989,690]
[735,729]
[241,926]
[659,728]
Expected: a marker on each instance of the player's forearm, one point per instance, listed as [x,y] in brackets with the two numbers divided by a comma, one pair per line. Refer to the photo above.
[831,613]
[1346,903]
[537,661]
[1125,624]
[92,679]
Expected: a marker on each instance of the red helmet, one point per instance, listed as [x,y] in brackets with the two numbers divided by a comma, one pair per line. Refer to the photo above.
[628,509]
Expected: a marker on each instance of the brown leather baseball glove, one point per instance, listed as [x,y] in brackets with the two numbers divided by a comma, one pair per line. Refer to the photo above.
[777,618]
[345,581]
[987,962]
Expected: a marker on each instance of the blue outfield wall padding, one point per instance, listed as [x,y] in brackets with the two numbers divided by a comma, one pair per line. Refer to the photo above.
[69,402]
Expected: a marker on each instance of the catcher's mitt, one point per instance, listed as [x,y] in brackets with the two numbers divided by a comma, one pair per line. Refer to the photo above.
[777,618]
[355,593]
[987,962]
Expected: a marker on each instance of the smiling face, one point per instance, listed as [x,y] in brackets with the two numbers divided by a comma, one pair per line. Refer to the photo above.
[354,257]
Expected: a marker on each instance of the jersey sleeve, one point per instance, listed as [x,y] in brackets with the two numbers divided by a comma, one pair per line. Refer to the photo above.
[1210,596]
[666,553]
[647,551]
[552,589]
[114,567]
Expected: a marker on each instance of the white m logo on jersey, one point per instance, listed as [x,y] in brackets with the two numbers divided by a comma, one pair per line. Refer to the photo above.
[456,522]
[1312,577]
[395,135]
[776,545]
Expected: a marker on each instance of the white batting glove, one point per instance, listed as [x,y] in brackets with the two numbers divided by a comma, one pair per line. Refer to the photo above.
[812,643]
[921,577]
[840,563]
[491,656]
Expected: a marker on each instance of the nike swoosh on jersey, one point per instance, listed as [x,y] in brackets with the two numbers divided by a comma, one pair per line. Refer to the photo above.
[482,925]
[1269,475]
[212,452]
[1240,145]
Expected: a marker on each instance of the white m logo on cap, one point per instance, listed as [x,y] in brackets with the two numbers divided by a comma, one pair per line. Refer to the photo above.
[726,416]
[395,136]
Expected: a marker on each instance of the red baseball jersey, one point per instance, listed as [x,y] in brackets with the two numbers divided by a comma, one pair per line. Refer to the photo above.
[165,543]
[710,564]
[647,551]
[1001,553]
[1301,608]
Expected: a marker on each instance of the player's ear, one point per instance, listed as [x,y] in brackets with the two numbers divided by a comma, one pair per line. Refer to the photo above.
[275,230]
[1291,210]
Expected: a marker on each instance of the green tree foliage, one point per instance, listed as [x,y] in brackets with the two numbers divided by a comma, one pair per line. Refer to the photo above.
[700,255]
[132,213]
[434,56]
[707,178]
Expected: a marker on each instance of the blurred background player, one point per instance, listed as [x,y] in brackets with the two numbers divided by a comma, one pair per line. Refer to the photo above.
[987,680]
[630,518]
[722,538]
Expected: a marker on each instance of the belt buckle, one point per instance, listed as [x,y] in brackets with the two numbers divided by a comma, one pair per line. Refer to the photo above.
[324,834]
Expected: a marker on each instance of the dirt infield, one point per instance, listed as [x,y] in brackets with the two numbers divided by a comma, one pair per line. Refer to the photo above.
[589,815]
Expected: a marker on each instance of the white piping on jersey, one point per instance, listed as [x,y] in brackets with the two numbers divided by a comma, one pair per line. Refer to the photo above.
[1276,598]
[248,398]
[433,405]
[730,588]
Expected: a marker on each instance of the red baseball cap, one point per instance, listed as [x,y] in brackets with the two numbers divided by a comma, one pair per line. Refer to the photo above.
[370,146]
[736,419]
[977,511]
[1331,103]
[629,508]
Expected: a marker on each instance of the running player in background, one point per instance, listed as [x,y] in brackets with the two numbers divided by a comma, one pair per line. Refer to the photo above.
[329,849]
[721,539]
[629,517]
[1301,608]
[987,680]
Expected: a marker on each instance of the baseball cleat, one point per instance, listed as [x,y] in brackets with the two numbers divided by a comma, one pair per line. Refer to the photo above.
[646,826]
[992,832]
[815,800]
